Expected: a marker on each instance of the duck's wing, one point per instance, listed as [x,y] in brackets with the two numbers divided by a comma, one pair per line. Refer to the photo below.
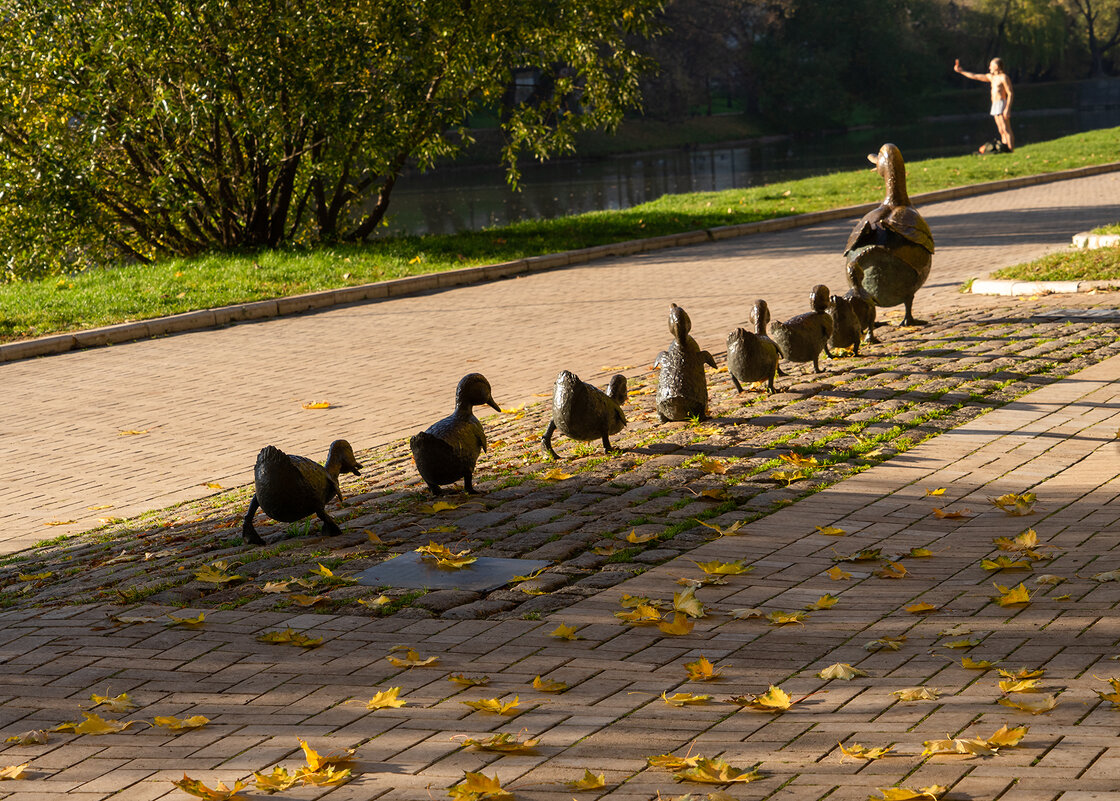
[867,229]
[316,477]
[907,222]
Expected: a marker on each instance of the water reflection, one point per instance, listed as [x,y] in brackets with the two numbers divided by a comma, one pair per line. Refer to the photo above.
[472,198]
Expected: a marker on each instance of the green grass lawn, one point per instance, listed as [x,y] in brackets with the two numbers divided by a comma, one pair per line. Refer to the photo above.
[112,295]
[1107,229]
[1102,264]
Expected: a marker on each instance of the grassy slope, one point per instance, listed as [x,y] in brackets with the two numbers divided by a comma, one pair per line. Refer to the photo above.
[107,296]
[1069,265]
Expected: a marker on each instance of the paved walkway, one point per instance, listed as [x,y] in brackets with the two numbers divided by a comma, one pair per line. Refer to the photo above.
[209,400]
[1059,442]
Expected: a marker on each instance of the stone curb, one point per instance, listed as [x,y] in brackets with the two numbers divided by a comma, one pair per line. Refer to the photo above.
[1090,241]
[1018,288]
[297,304]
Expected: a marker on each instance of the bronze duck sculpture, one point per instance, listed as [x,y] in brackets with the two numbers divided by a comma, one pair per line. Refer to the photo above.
[861,302]
[682,388]
[802,338]
[449,449]
[892,244]
[290,488]
[846,326]
[753,357]
[584,412]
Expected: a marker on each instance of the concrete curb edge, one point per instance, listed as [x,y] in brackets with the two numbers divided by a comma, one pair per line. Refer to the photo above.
[313,301]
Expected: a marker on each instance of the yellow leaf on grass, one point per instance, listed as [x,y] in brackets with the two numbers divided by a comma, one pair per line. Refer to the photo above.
[494,705]
[685,699]
[322,404]
[290,636]
[837,573]
[718,568]
[976,664]
[842,671]
[118,703]
[14,771]
[787,618]
[375,603]
[555,474]
[830,531]
[218,793]
[798,461]
[321,570]
[469,681]
[858,751]
[711,494]
[565,632]
[316,762]
[702,670]
[478,787]
[680,624]
[921,609]
[386,699]
[503,743]
[775,699]
[1011,597]
[1014,504]
[932,793]
[730,531]
[935,492]
[637,539]
[172,723]
[411,658]
[549,685]
[716,771]
[960,514]
[826,601]
[787,477]
[589,782]
[917,694]
[1035,704]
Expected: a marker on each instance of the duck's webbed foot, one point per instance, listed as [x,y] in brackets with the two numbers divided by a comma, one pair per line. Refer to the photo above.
[608,447]
[468,488]
[330,528]
[738,386]
[781,372]
[870,337]
[248,531]
[434,488]
[546,440]
[908,318]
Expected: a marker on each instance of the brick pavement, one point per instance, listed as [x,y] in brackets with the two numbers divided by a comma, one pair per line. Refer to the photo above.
[1059,442]
[211,399]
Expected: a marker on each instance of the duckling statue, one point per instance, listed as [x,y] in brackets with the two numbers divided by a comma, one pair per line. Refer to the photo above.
[682,388]
[802,338]
[892,244]
[846,328]
[584,412]
[753,357]
[449,449]
[290,488]
[861,302]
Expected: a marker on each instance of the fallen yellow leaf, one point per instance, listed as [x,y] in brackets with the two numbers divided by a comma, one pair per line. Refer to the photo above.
[830,531]
[172,723]
[858,751]
[478,787]
[685,699]
[291,637]
[837,573]
[494,705]
[316,405]
[411,658]
[775,699]
[1012,597]
[1035,704]
[589,782]
[316,762]
[917,694]
[702,670]
[921,609]
[960,514]
[826,601]
[386,699]
[730,531]
[1020,686]
[842,671]
[119,703]
[716,771]
[681,624]
[976,664]
[637,539]
[787,618]
[564,632]
[932,793]
[555,474]
[14,771]
[219,792]
[504,743]
[469,681]
[549,685]
[935,492]
[718,568]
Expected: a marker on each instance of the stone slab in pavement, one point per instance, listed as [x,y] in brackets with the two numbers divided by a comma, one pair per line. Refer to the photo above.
[207,401]
[1059,442]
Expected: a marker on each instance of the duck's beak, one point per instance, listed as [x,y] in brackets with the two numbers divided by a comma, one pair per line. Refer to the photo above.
[490,402]
[874,159]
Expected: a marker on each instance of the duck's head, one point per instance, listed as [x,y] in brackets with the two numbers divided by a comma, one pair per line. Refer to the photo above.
[834,301]
[855,274]
[474,390]
[818,298]
[617,388]
[890,166]
[343,454]
[679,324]
[760,316]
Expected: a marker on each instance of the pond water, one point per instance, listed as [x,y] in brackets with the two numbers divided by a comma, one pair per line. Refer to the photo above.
[470,198]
